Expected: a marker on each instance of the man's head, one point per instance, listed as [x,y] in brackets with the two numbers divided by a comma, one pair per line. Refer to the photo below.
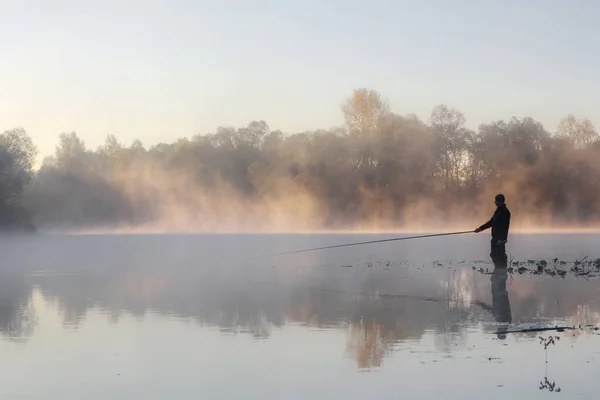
[499,200]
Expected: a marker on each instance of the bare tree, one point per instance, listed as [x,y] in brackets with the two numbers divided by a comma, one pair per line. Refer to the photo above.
[580,133]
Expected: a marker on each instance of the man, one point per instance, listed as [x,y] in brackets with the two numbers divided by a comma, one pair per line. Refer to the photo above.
[500,223]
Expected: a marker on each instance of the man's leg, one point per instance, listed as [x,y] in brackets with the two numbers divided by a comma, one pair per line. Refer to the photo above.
[501,252]
[493,249]
[498,252]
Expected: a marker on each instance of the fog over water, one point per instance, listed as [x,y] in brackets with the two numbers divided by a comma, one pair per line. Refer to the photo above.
[190,315]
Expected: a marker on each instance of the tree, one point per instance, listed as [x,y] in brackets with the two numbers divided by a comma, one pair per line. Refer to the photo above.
[580,133]
[364,111]
[504,146]
[137,146]
[111,152]
[452,141]
[254,134]
[70,153]
[112,148]
[17,157]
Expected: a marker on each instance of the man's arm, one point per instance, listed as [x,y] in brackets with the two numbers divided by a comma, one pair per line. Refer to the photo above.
[488,224]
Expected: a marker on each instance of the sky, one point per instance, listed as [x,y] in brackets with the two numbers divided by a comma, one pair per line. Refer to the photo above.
[160,70]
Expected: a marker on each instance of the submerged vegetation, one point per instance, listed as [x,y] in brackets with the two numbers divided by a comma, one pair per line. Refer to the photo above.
[380,170]
[578,268]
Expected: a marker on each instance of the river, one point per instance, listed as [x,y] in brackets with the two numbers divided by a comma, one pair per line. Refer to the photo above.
[196,316]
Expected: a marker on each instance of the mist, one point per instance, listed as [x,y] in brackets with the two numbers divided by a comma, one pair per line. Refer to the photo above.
[378,171]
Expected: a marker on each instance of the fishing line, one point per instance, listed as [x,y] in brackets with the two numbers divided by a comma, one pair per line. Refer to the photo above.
[361,243]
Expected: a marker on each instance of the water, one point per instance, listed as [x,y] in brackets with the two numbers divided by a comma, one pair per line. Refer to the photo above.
[189,316]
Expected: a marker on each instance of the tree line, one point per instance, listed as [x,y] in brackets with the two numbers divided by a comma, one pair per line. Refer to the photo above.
[379,170]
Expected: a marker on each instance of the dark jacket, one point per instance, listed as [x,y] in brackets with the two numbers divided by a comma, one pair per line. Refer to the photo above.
[500,222]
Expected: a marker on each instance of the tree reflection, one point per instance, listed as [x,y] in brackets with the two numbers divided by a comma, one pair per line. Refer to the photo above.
[377,308]
[17,314]
[369,343]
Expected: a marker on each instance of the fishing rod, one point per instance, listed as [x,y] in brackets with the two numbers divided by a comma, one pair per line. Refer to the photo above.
[360,243]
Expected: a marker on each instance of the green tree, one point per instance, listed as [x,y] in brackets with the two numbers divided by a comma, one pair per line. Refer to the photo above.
[17,158]
[71,153]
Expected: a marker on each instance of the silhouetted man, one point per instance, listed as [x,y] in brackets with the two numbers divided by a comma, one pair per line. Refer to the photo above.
[500,223]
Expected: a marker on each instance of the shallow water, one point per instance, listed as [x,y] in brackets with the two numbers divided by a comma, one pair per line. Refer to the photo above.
[190,316]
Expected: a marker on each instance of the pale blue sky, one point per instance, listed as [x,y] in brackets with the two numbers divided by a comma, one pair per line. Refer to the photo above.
[159,70]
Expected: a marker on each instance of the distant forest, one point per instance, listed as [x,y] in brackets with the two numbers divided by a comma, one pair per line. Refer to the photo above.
[380,170]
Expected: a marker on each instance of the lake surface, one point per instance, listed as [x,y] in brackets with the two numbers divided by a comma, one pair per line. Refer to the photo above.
[193,316]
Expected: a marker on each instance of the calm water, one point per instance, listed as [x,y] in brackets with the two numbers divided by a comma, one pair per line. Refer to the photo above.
[189,316]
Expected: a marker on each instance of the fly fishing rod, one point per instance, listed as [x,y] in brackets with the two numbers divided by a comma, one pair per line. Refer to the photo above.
[360,243]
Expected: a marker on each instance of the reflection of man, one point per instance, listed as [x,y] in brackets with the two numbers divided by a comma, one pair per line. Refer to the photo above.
[500,302]
[500,223]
